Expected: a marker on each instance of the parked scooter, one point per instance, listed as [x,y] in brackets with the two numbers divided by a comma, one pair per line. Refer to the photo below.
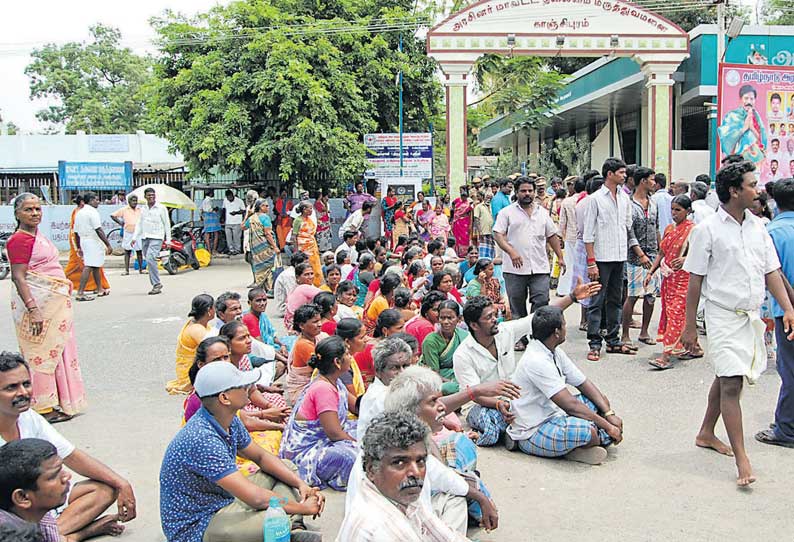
[181,250]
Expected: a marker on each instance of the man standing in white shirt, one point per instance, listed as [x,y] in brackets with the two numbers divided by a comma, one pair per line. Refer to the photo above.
[607,234]
[233,211]
[522,230]
[153,229]
[663,200]
[549,420]
[88,499]
[731,261]
[89,238]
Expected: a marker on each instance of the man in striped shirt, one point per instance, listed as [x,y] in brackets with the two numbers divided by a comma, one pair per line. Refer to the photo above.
[607,234]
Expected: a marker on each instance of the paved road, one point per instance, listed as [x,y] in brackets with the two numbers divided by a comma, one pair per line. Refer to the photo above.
[656,485]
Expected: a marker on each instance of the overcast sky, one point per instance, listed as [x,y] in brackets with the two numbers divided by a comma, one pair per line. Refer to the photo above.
[25,25]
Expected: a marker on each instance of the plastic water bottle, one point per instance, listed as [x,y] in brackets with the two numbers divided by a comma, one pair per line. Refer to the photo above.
[276,527]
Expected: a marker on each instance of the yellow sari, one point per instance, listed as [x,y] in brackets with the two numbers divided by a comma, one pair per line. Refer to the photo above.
[187,342]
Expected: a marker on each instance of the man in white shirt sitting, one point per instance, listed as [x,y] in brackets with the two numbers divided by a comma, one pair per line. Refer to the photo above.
[87,499]
[549,421]
[90,238]
[388,504]
[349,240]
[153,229]
[486,355]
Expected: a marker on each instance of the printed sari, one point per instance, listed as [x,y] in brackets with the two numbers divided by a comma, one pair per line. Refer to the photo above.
[438,227]
[461,225]
[283,220]
[321,462]
[305,229]
[323,226]
[263,255]
[387,206]
[52,354]
[74,267]
[674,286]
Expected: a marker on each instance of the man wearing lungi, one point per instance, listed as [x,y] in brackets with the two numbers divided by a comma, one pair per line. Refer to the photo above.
[92,245]
[731,261]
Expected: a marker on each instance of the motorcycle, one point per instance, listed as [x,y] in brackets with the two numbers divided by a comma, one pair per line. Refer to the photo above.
[180,250]
[5,265]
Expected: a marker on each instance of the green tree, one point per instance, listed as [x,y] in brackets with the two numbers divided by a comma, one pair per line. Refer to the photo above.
[99,86]
[777,12]
[289,86]
[10,127]
[573,153]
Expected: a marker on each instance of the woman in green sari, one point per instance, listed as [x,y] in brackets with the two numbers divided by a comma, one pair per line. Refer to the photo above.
[263,245]
[439,346]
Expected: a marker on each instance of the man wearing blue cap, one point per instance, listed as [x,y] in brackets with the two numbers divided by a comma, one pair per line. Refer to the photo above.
[203,497]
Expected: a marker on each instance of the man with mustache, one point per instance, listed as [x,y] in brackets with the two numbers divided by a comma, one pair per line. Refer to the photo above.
[387,506]
[87,499]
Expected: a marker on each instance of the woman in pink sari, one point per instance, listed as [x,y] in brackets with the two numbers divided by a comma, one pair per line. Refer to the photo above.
[438,227]
[461,221]
[41,306]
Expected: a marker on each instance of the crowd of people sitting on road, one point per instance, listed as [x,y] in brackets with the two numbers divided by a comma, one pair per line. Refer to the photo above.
[384,364]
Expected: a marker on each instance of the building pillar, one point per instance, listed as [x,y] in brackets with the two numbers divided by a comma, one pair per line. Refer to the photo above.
[659,82]
[456,79]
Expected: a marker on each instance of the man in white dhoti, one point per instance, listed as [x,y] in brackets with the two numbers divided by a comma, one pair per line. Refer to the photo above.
[731,261]
[92,245]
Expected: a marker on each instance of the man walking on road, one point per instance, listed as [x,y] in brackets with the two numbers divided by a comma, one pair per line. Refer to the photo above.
[89,238]
[522,231]
[607,234]
[731,261]
[153,229]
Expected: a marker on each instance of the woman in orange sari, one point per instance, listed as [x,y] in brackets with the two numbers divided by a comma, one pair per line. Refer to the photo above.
[675,281]
[283,206]
[74,267]
[303,235]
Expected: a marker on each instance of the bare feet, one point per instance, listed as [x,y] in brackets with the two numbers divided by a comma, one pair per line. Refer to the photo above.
[105,525]
[712,442]
[746,476]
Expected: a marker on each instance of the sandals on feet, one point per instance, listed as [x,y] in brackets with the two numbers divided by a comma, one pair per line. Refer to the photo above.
[594,355]
[767,436]
[56,416]
[689,355]
[621,348]
[647,340]
[84,298]
[660,364]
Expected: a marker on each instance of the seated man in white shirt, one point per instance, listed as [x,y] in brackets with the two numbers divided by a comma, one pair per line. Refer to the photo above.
[486,355]
[350,238]
[285,282]
[390,357]
[87,499]
[548,420]
[388,507]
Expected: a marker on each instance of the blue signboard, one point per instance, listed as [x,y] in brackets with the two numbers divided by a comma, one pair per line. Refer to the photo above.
[95,175]
[384,155]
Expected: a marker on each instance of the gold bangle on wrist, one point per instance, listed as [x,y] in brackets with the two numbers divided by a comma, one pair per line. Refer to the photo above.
[608,413]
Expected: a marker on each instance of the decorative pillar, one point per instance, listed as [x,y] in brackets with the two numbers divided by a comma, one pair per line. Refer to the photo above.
[455,83]
[659,82]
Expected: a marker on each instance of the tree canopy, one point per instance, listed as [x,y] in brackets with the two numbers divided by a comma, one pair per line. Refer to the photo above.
[778,12]
[99,86]
[289,86]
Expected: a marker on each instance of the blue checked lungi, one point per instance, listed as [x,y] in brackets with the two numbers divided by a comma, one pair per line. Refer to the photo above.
[562,434]
[459,453]
[488,422]
[486,246]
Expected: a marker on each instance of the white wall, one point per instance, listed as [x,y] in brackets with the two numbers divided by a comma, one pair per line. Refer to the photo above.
[689,164]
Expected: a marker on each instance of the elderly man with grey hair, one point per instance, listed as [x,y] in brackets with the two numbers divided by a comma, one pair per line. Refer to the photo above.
[390,357]
[418,390]
[388,506]
[700,209]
